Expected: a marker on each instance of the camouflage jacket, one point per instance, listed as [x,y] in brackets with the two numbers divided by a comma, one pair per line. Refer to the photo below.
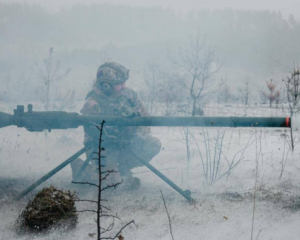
[122,104]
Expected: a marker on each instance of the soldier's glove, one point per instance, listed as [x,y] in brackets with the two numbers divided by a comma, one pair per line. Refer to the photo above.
[129,111]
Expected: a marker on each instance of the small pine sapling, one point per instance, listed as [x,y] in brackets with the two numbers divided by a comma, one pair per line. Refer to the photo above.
[102,210]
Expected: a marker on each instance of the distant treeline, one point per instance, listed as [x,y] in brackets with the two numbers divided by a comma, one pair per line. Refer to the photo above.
[259,42]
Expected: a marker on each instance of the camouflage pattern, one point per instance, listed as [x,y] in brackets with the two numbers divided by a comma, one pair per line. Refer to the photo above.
[119,141]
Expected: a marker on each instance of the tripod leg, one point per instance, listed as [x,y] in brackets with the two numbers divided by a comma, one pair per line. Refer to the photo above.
[83,167]
[49,174]
[186,194]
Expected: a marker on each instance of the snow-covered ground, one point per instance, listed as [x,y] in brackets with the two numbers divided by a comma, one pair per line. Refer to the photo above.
[222,210]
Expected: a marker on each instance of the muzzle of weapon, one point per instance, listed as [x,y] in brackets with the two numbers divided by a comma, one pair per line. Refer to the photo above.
[39,121]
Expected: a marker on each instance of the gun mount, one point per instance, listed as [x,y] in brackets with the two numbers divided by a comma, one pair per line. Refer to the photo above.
[39,121]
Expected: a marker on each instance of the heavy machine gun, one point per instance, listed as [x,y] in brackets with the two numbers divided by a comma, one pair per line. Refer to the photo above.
[39,121]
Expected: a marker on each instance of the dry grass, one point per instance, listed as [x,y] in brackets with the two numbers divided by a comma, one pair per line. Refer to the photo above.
[50,208]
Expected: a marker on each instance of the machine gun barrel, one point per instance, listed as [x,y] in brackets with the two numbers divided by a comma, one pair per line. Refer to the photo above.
[39,121]
[198,121]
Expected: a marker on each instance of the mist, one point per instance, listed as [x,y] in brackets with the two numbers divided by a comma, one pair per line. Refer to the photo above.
[198,59]
[258,45]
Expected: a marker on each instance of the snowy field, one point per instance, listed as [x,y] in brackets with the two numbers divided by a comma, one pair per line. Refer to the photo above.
[246,183]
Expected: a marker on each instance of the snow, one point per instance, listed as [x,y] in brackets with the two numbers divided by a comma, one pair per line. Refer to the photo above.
[296,122]
[222,210]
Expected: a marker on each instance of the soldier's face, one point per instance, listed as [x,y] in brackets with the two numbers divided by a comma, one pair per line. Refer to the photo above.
[119,87]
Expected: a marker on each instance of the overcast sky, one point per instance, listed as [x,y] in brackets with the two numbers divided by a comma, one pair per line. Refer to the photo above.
[287,7]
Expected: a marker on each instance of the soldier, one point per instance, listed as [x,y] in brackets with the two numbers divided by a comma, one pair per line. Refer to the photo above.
[110,97]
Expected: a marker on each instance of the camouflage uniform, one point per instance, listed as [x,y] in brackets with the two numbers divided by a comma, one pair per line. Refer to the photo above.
[118,141]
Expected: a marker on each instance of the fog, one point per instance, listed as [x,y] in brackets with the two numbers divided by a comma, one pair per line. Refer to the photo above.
[241,54]
[286,7]
[250,43]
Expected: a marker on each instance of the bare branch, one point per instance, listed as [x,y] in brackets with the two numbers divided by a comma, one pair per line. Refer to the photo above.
[88,210]
[109,228]
[86,200]
[198,66]
[170,223]
[86,183]
[119,231]
[111,186]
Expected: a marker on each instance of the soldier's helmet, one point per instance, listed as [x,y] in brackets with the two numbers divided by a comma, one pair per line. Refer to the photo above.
[112,73]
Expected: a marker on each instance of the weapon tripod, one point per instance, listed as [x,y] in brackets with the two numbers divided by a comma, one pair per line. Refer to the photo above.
[186,194]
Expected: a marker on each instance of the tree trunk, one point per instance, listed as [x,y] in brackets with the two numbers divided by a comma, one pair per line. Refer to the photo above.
[194,107]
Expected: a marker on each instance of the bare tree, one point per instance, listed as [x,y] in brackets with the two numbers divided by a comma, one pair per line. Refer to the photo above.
[170,94]
[273,94]
[152,78]
[198,67]
[263,97]
[101,210]
[161,88]
[245,91]
[292,84]
[50,72]
[224,95]
[65,101]
[168,214]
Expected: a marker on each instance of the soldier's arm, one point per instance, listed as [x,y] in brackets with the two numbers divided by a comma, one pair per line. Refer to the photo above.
[91,133]
[90,107]
[136,102]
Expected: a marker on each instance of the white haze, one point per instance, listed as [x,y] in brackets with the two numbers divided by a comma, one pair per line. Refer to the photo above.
[286,7]
[254,41]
